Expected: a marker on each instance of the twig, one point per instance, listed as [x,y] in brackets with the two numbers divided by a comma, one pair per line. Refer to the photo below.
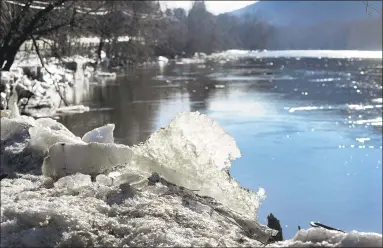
[370,7]
[43,65]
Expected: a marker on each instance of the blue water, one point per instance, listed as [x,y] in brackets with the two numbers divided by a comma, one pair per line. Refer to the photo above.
[322,162]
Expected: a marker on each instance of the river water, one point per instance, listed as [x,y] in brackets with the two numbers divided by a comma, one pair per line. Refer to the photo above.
[310,130]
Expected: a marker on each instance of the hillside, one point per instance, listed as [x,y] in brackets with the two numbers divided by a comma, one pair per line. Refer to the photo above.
[319,24]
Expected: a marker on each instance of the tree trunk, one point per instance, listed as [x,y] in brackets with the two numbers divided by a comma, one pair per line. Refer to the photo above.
[99,50]
[10,55]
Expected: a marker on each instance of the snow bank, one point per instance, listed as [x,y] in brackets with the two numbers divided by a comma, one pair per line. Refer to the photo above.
[76,212]
[320,237]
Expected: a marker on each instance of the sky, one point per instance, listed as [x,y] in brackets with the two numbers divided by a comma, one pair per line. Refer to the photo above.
[215,7]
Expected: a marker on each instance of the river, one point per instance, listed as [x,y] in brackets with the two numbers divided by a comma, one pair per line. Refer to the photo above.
[310,129]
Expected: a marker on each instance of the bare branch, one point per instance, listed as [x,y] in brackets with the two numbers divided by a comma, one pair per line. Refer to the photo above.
[43,65]
[370,9]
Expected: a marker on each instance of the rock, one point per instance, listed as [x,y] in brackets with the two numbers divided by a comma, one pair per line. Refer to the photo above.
[274,223]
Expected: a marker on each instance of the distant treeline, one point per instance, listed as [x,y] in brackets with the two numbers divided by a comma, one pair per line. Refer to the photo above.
[200,31]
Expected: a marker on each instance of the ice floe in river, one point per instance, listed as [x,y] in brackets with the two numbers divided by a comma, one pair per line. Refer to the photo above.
[61,190]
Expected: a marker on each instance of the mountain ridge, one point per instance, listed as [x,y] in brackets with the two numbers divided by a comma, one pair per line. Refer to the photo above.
[319,24]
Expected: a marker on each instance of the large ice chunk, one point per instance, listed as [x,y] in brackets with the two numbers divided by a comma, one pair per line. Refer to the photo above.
[195,136]
[102,134]
[91,159]
[42,138]
[195,152]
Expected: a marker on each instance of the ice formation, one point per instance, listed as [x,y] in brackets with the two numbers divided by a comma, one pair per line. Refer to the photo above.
[102,134]
[43,138]
[195,152]
[15,126]
[97,193]
[92,159]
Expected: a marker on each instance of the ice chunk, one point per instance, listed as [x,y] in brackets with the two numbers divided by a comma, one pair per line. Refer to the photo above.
[163,59]
[74,182]
[92,159]
[73,109]
[102,134]
[3,101]
[195,152]
[15,126]
[15,112]
[104,180]
[197,133]
[321,237]
[54,125]
[43,138]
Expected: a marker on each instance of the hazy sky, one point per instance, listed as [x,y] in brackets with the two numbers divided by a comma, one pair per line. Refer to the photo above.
[215,7]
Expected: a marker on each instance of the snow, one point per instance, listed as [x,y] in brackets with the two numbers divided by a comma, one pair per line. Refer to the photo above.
[320,237]
[229,55]
[76,212]
[93,192]
[162,60]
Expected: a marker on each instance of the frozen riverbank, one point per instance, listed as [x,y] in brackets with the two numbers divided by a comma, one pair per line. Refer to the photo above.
[41,90]
[172,190]
[231,55]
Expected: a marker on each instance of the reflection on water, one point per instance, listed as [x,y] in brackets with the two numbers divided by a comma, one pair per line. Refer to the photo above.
[309,129]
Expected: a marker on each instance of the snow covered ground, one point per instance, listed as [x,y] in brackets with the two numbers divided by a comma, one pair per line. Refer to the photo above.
[172,190]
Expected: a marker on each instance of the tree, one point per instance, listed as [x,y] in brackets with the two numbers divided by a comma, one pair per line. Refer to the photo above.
[201,27]
[28,19]
[201,31]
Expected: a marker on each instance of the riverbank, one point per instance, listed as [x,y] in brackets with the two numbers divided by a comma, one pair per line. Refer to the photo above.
[55,87]
[46,88]
[172,190]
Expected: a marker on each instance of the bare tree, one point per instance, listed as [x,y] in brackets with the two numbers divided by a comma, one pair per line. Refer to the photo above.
[23,19]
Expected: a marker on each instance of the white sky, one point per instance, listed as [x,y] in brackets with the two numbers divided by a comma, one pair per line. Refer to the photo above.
[215,7]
